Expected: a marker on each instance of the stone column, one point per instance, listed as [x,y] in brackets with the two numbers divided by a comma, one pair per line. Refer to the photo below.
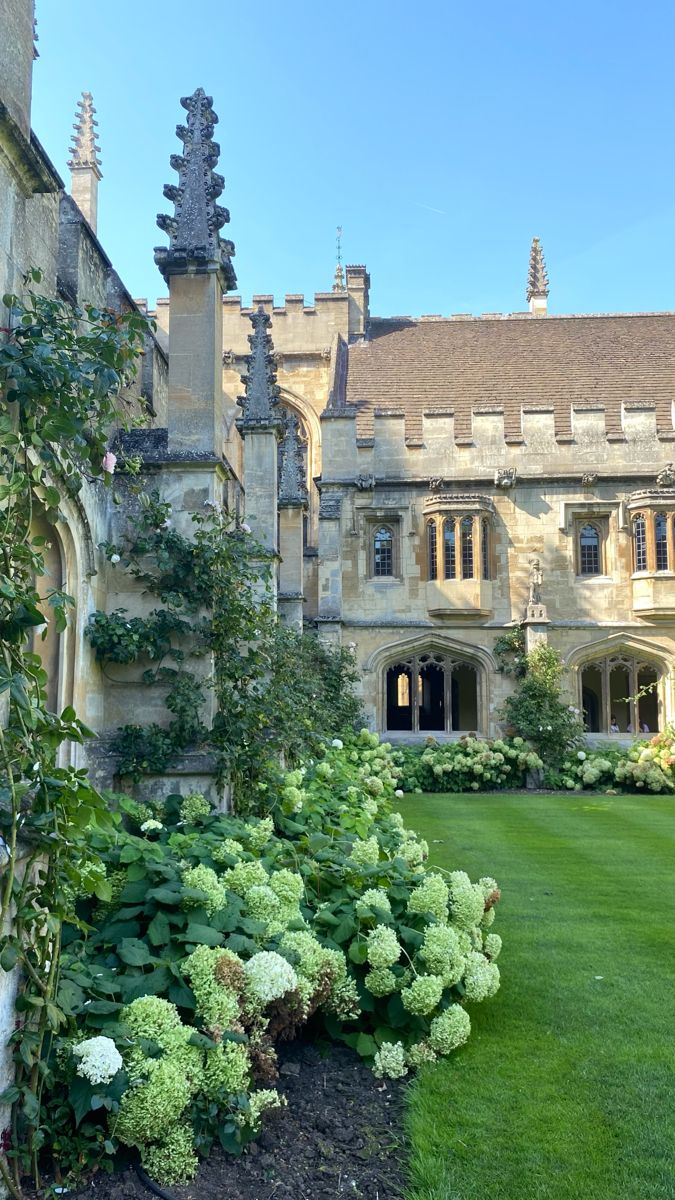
[330,567]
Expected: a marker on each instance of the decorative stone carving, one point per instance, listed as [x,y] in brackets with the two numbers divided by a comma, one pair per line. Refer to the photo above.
[260,401]
[468,501]
[666,477]
[589,478]
[364,483]
[506,477]
[537,276]
[85,148]
[194,240]
[229,358]
[330,507]
[436,484]
[536,609]
[292,486]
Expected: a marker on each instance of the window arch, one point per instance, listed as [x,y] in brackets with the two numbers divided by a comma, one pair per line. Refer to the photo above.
[620,694]
[433,692]
[639,542]
[449,548]
[432,553]
[589,552]
[383,551]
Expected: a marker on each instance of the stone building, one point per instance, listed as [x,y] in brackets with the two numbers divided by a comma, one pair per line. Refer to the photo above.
[427,483]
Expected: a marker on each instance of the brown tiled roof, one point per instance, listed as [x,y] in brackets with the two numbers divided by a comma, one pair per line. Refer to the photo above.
[513,363]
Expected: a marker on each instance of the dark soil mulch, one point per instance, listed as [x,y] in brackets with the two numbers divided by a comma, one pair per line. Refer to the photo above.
[341,1135]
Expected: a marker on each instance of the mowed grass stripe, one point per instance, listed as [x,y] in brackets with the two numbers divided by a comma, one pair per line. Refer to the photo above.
[566,1086]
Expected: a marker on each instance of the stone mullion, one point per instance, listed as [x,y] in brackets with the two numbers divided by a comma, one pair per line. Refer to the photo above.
[671,541]
[477,546]
[606,696]
[414,695]
[632,702]
[447,697]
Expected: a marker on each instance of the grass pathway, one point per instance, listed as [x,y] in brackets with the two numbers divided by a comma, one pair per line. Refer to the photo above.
[566,1089]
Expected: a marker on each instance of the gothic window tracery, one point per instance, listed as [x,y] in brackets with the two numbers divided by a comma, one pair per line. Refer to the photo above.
[620,694]
[458,546]
[432,692]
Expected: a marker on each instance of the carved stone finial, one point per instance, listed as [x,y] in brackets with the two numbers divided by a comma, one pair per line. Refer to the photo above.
[666,477]
[260,401]
[85,148]
[537,275]
[292,485]
[194,239]
[339,279]
[506,477]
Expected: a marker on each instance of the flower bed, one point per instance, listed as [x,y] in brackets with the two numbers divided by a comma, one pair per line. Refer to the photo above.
[223,937]
[647,766]
[468,765]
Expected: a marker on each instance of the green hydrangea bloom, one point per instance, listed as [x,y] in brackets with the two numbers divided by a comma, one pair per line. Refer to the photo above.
[226,1070]
[414,851]
[442,953]
[245,875]
[383,947]
[390,1062]
[194,808]
[218,1006]
[288,886]
[344,999]
[261,1102]
[154,1105]
[373,898]
[492,946]
[450,1029]
[423,995]
[204,879]
[481,978]
[270,976]
[173,1160]
[419,1054]
[263,905]
[260,834]
[488,918]
[467,901]
[381,981]
[365,853]
[310,958]
[430,896]
[227,850]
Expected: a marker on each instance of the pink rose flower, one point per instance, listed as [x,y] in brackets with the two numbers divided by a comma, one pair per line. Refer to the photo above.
[109,462]
[246,528]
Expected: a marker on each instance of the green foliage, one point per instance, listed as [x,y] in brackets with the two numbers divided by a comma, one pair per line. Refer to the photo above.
[510,652]
[647,766]
[468,765]
[537,711]
[213,587]
[236,933]
[62,374]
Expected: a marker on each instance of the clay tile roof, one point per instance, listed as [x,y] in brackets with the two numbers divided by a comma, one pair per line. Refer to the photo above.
[513,363]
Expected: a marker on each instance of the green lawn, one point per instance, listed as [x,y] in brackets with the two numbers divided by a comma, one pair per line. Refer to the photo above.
[566,1089]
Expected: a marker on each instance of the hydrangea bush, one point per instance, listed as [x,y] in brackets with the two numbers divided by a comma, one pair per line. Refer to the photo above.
[647,766]
[468,765]
[222,936]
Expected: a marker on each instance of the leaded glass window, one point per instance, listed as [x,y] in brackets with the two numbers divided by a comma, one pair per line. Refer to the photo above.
[383,552]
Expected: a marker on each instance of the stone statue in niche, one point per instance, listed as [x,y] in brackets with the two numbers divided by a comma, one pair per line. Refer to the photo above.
[666,477]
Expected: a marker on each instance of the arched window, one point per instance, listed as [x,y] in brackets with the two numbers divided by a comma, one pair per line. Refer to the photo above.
[639,543]
[467,547]
[449,552]
[589,550]
[431,692]
[620,694]
[485,547]
[383,551]
[432,556]
[661,539]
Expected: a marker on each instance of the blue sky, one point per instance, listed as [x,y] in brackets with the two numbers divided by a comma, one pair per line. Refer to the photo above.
[441,136]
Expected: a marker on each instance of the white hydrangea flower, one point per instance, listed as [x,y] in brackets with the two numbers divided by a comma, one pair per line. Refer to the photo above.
[150,825]
[581,754]
[100,1060]
[337,744]
[270,975]
[390,1061]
